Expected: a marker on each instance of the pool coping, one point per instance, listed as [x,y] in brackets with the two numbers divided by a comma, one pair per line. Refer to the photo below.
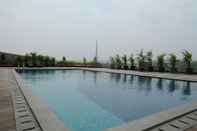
[157,119]
[47,120]
[165,75]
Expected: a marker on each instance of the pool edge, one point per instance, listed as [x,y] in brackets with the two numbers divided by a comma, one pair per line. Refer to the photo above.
[47,120]
[159,75]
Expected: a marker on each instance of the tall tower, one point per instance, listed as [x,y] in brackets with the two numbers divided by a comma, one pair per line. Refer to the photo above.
[96,55]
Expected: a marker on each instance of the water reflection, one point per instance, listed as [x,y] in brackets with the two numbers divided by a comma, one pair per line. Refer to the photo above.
[171,87]
[141,83]
[186,89]
[95,77]
[124,78]
[35,75]
[118,78]
[148,85]
[160,84]
[131,79]
[83,74]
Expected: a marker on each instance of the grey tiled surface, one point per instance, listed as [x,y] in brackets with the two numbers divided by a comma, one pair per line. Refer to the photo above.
[7,119]
[179,124]
[25,120]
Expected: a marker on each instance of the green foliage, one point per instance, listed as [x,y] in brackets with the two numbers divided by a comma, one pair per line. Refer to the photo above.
[160,62]
[149,57]
[64,59]
[2,57]
[84,61]
[124,59]
[141,60]
[118,62]
[19,61]
[187,58]
[95,60]
[132,62]
[34,58]
[173,62]
[112,62]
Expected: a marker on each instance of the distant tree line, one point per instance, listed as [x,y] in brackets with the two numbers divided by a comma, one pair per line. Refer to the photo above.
[144,62]
[87,63]
[38,60]
[35,60]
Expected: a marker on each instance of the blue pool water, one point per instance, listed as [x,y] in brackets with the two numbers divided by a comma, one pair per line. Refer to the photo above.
[93,101]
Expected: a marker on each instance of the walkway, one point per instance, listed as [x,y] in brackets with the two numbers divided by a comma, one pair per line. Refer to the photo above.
[7,119]
[15,114]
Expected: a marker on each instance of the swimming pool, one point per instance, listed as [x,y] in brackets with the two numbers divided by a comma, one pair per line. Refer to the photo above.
[93,101]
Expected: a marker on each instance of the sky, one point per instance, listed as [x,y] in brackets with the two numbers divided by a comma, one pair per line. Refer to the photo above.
[71,27]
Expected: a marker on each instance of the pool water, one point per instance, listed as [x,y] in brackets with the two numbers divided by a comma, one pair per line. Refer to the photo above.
[93,101]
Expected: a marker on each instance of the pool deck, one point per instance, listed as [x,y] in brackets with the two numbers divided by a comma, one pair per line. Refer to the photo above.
[20,110]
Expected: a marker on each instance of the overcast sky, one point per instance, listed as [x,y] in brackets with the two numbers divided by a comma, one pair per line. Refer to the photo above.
[71,27]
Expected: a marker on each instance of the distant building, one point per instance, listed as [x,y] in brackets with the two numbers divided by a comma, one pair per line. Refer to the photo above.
[7,59]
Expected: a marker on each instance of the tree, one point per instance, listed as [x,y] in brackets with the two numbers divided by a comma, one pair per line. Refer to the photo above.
[95,61]
[46,60]
[34,58]
[118,62]
[187,58]
[173,61]
[141,60]
[27,58]
[149,56]
[132,62]
[40,59]
[112,63]
[2,59]
[84,61]
[124,59]
[53,61]
[19,61]
[64,59]
[160,62]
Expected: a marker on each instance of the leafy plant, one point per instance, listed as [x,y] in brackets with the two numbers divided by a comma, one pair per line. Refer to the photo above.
[118,62]
[173,61]
[19,60]
[149,57]
[112,62]
[187,58]
[84,61]
[34,58]
[132,62]
[160,62]
[124,59]
[141,60]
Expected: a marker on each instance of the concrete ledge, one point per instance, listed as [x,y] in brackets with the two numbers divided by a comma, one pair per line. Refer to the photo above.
[157,119]
[171,76]
[47,120]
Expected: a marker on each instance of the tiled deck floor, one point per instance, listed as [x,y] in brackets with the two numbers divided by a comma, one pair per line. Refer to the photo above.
[15,114]
[184,123]
[7,119]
